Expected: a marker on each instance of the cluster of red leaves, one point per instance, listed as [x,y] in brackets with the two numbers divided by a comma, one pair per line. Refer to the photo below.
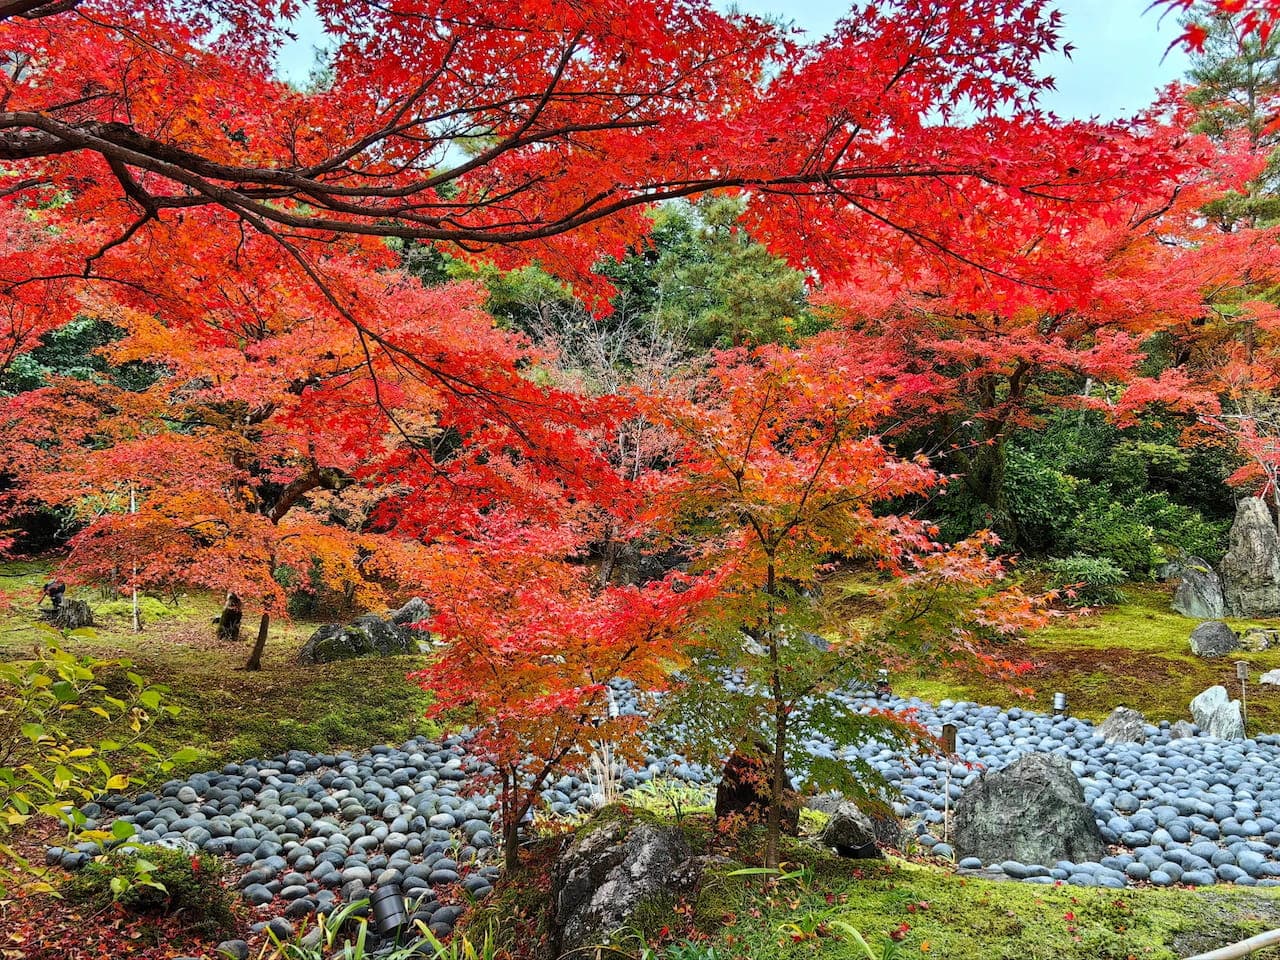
[782,468]
[124,120]
[532,644]
[1254,16]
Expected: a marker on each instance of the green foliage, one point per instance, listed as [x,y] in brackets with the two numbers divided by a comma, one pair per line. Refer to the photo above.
[705,725]
[1041,496]
[703,274]
[65,731]
[1079,484]
[157,881]
[1111,531]
[342,935]
[669,798]
[682,950]
[1091,581]
[1180,530]
[74,351]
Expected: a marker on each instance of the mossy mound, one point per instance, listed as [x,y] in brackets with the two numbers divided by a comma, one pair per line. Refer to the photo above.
[157,882]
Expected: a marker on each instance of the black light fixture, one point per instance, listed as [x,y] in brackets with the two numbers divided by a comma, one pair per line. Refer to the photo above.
[390,913]
[1059,704]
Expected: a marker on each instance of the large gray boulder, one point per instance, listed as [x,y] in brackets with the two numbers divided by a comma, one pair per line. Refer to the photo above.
[1217,714]
[1124,726]
[611,872]
[1213,639]
[850,833]
[412,613]
[1033,811]
[1199,593]
[366,636]
[1251,569]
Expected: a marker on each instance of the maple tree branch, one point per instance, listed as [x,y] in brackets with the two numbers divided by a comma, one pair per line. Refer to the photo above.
[243,189]
[35,9]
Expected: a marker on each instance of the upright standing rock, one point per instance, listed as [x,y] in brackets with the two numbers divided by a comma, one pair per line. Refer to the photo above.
[1199,593]
[411,614]
[851,833]
[230,618]
[1124,726]
[1032,811]
[1217,714]
[610,872]
[1251,569]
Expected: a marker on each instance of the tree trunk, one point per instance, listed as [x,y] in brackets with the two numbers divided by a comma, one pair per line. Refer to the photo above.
[510,845]
[73,614]
[255,658]
[230,618]
[511,814]
[984,477]
[773,830]
[609,560]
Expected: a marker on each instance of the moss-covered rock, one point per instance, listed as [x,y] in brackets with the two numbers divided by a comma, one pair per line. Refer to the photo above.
[365,636]
[621,875]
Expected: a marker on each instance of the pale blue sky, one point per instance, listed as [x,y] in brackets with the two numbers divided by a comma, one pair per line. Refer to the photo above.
[1117,66]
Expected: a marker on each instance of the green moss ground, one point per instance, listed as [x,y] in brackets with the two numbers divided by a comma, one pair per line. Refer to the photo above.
[1137,654]
[946,915]
[230,714]
[969,919]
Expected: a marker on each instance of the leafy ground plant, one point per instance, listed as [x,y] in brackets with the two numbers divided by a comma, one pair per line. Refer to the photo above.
[69,726]
[344,935]
[157,882]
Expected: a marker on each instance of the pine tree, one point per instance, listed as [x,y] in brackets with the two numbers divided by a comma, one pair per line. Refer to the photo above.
[1236,76]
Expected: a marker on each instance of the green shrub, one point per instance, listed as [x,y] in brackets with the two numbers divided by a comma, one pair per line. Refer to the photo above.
[1181,530]
[157,882]
[1114,532]
[1091,581]
[1040,498]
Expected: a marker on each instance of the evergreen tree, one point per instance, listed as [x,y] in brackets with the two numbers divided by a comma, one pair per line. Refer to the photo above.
[1236,77]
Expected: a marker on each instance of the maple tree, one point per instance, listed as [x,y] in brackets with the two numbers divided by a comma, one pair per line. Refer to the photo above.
[781,472]
[158,174]
[981,357]
[276,441]
[529,667]
[1253,16]
[120,120]
[150,150]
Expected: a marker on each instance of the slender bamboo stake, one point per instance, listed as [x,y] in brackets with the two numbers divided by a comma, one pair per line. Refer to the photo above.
[133,509]
[1235,951]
